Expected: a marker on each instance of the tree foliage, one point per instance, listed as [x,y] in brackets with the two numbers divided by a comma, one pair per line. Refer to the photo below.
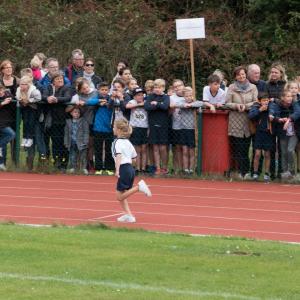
[143,32]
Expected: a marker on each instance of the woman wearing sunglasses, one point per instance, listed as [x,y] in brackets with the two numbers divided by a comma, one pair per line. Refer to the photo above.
[89,73]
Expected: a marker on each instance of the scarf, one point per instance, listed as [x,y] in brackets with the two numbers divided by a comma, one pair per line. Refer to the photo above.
[243,87]
[89,78]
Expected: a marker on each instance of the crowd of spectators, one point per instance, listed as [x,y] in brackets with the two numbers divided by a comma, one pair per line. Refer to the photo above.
[68,117]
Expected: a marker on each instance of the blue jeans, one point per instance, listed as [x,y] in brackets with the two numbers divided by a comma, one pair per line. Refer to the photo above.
[6,135]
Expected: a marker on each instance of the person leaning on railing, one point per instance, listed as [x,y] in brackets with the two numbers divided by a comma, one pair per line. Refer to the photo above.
[240,97]
[7,118]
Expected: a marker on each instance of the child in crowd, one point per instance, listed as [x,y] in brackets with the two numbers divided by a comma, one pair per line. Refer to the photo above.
[118,100]
[263,140]
[149,85]
[76,140]
[139,123]
[7,120]
[36,67]
[175,134]
[294,88]
[124,154]
[103,133]
[132,84]
[28,95]
[213,95]
[223,81]
[188,124]
[85,93]
[286,113]
[157,105]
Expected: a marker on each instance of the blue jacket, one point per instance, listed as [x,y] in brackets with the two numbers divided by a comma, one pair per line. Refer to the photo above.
[158,114]
[46,81]
[103,116]
[260,117]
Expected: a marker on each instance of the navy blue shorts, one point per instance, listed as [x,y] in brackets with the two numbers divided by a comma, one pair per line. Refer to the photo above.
[158,135]
[139,136]
[263,140]
[188,138]
[125,181]
[176,138]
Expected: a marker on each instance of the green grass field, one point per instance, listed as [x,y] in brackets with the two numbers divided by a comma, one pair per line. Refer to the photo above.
[98,263]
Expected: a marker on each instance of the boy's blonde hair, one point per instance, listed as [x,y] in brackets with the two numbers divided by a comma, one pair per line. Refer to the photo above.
[123,126]
[149,84]
[159,83]
[289,84]
[26,80]
[35,62]
[186,90]
[26,72]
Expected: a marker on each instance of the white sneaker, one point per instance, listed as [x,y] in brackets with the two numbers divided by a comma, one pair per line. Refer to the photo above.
[247,176]
[143,187]
[23,143]
[255,177]
[286,175]
[29,143]
[2,167]
[71,171]
[267,178]
[85,172]
[126,219]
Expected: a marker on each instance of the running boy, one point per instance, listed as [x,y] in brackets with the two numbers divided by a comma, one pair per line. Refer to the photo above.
[124,154]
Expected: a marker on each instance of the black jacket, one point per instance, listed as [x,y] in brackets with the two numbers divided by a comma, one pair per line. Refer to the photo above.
[56,111]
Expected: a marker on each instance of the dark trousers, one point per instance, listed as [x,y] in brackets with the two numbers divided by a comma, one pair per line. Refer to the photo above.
[275,164]
[59,151]
[240,153]
[103,141]
[29,119]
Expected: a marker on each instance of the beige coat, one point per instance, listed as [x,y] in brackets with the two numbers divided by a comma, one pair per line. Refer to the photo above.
[238,125]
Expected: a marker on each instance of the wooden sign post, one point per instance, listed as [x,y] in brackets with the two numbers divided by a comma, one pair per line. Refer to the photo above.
[190,29]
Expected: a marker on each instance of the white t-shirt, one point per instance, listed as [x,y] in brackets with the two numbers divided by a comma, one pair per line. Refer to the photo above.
[176,116]
[138,116]
[219,98]
[125,148]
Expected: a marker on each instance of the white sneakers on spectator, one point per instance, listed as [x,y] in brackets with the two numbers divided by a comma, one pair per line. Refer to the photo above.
[126,219]
[27,143]
[143,187]
[2,167]
[85,171]
[286,175]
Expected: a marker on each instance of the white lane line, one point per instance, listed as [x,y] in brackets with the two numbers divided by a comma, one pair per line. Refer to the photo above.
[113,192]
[243,200]
[53,219]
[167,214]
[147,213]
[126,286]
[177,187]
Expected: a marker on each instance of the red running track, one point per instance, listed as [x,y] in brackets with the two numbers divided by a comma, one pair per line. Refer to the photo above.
[247,209]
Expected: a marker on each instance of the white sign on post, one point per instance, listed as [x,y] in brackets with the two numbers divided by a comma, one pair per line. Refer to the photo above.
[190,29]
